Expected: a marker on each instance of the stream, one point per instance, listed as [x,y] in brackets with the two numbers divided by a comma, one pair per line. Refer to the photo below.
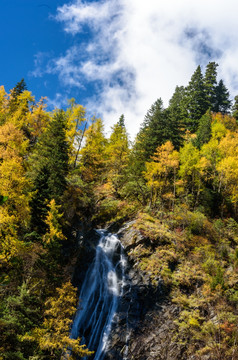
[100,295]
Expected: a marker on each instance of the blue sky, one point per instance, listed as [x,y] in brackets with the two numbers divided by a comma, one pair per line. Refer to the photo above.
[29,31]
[115,56]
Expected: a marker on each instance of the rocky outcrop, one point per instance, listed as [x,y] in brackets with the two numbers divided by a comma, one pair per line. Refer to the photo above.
[87,240]
[144,326]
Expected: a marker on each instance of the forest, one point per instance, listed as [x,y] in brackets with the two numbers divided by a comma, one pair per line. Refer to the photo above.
[178,182]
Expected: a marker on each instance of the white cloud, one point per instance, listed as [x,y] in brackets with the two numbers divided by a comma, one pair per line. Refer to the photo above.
[57,102]
[79,13]
[137,50]
[68,67]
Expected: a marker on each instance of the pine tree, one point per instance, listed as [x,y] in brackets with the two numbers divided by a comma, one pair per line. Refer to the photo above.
[50,168]
[40,200]
[222,102]
[19,88]
[121,121]
[177,115]
[53,150]
[195,100]
[204,130]
[210,82]
[158,127]
[15,92]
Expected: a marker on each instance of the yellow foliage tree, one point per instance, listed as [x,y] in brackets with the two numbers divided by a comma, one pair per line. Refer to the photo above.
[13,182]
[54,233]
[227,167]
[18,117]
[53,336]
[3,104]
[37,120]
[161,172]
[92,160]
[75,115]
[190,171]
[10,245]
[15,212]
[117,155]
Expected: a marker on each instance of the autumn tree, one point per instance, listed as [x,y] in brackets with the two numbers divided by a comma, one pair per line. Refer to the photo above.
[53,336]
[117,154]
[76,126]
[14,214]
[92,155]
[235,108]
[190,173]
[3,105]
[228,168]
[54,235]
[161,173]
[36,121]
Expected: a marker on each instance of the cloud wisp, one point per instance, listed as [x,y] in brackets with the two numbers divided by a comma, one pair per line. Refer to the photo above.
[136,51]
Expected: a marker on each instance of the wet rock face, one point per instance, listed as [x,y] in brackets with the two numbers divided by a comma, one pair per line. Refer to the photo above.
[154,339]
[144,326]
[87,242]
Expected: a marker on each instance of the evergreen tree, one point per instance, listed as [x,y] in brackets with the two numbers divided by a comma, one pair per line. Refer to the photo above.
[40,200]
[19,88]
[55,149]
[195,100]
[204,130]
[210,82]
[176,116]
[222,102]
[19,313]
[121,121]
[15,92]
[50,164]
[157,128]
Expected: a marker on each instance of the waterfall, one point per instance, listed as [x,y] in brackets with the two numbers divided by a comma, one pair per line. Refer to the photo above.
[100,294]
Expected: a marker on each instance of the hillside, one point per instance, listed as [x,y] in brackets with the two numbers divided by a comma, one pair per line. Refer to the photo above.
[176,185]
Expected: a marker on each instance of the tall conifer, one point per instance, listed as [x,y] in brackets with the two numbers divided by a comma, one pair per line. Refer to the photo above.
[210,82]
[195,100]
[222,102]
[50,166]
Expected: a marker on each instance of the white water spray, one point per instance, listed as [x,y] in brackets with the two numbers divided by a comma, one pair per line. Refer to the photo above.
[99,296]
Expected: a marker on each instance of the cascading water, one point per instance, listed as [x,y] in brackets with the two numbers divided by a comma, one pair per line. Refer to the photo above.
[99,296]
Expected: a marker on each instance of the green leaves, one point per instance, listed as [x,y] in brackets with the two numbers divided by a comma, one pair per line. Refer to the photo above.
[3,199]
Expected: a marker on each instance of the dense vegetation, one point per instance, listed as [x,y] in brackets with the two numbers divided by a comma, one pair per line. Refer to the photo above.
[178,180]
